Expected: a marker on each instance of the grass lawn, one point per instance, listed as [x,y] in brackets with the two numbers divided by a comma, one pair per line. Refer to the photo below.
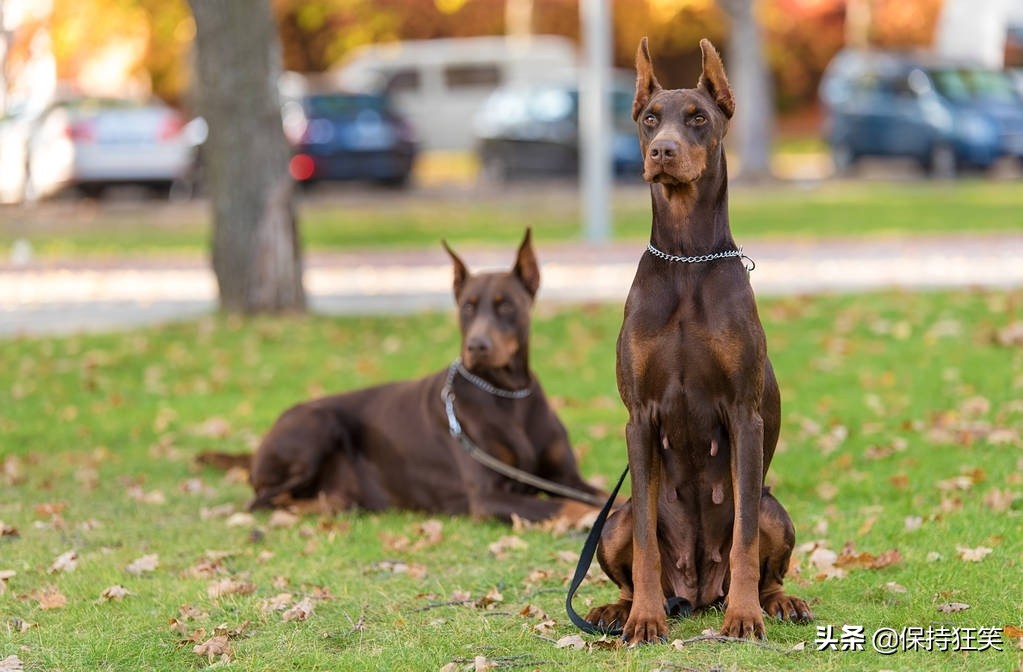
[356,218]
[900,463]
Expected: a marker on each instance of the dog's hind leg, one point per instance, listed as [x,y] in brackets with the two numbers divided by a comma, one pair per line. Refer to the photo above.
[777,538]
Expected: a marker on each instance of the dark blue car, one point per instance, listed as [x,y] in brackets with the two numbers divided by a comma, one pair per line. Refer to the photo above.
[343,136]
[945,116]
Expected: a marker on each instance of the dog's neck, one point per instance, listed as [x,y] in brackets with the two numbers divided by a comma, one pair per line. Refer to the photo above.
[691,219]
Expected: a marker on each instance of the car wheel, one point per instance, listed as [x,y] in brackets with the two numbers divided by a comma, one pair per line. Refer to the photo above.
[843,157]
[941,162]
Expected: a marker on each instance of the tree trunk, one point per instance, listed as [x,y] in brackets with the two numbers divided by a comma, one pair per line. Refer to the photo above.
[256,254]
[753,124]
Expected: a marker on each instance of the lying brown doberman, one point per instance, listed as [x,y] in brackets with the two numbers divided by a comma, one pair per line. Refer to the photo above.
[703,402]
[400,445]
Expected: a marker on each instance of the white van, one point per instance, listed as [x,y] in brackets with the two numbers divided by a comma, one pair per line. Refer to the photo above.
[438,85]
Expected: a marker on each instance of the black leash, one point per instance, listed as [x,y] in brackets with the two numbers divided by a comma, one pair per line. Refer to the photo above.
[585,559]
[488,460]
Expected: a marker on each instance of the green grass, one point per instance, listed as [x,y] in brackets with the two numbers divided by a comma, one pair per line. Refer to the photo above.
[896,406]
[353,219]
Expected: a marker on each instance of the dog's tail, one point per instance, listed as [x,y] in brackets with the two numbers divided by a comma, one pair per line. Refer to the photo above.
[224,461]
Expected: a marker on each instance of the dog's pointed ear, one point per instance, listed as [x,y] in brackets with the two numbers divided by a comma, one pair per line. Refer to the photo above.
[527,270]
[713,79]
[461,272]
[646,83]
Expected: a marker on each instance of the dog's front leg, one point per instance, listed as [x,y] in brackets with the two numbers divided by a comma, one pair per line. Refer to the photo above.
[647,621]
[743,616]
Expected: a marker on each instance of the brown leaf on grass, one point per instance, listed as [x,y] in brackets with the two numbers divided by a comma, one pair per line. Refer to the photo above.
[571,642]
[1012,632]
[483,664]
[5,574]
[999,500]
[500,548]
[50,598]
[209,564]
[300,612]
[11,664]
[279,602]
[114,593]
[215,427]
[490,600]
[546,628]
[136,493]
[229,586]
[147,563]
[240,519]
[282,518]
[412,569]
[50,509]
[216,647]
[849,558]
[973,554]
[65,562]
[7,530]
[952,607]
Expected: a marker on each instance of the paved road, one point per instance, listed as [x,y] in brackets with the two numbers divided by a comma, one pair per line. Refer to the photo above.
[76,297]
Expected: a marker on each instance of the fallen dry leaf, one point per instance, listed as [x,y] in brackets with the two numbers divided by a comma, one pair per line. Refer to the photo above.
[229,586]
[893,587]
[11,664]
[299,612]
[546,628]
[973,554]
[483,664]
[114,593]
[217,646]
[571,642]
[65,562]
[952,607]
[240,519]
[215,427]
[147,563]
[491,599]
[500,548]
[7,530]
[4,575]
[51,598]
[282,518]
[1012,632]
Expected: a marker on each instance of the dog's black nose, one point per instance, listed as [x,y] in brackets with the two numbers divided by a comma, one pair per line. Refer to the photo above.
[663,150]
[478,346]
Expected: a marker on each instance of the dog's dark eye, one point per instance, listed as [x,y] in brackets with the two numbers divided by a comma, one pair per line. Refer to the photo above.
[650,120]
[698,120]
[469,308]
[505,309]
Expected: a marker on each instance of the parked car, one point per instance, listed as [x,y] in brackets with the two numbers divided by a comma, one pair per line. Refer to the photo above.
[945,116]
[528,131]
[348,136]
[91,143]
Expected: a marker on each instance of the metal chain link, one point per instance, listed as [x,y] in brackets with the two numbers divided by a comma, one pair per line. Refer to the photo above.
[701,258]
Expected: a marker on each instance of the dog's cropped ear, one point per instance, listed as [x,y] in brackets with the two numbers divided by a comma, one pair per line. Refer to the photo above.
[713,79]
[646,83]
[526,269]
[461,272]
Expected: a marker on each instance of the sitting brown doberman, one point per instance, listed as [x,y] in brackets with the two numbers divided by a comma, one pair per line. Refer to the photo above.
[704,408]
[405,445]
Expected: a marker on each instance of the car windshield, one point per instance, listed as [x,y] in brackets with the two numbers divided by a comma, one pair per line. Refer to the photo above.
[334,105]
[951,84]
[990,86]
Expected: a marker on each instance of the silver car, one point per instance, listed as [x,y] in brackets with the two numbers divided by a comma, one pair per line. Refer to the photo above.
[92,143]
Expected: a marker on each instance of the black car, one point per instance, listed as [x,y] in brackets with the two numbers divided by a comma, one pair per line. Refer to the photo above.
[533,132]
[347,136]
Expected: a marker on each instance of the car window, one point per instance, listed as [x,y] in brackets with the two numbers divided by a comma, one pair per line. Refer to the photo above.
[472,75]
[403,81]
[336,105]
[990,85]
[950,84]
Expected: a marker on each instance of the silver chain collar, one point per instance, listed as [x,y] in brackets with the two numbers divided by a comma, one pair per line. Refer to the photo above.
[701,258]
[484,385]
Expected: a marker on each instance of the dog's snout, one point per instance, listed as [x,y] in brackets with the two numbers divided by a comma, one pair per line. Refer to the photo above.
[664,149]
[479,346]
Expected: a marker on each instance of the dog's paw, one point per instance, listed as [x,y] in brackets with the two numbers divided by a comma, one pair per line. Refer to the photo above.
[610,617]
[741,625]
[646,628]
[785,607]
